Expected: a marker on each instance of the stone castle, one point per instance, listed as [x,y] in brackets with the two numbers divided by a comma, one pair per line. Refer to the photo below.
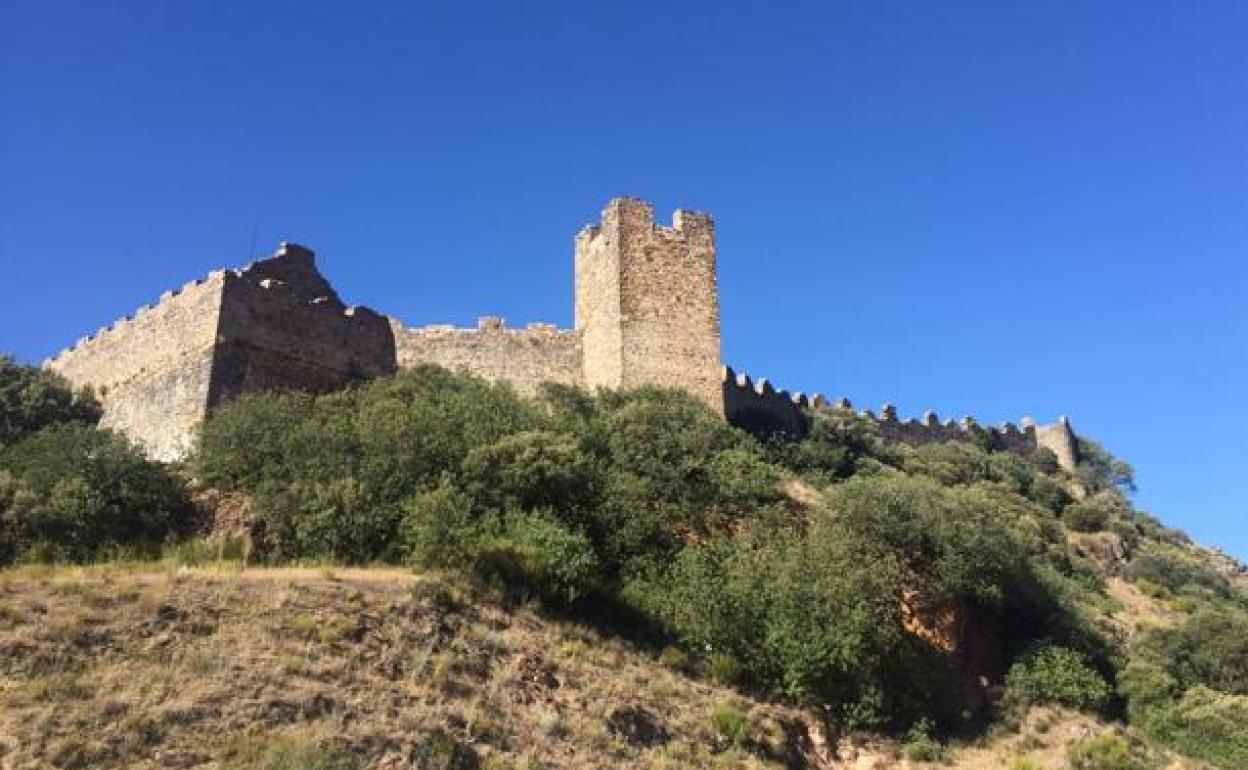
[647,313]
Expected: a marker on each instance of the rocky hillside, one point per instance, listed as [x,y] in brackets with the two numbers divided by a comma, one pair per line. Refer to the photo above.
[576,579]
[150,667]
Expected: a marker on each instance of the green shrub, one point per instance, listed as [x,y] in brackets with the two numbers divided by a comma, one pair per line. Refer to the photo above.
[1052,673]
[1100,470]
[1026,763]
[535,550]
[836,444]
[724,668]
[1210,648]
[287,752]
[1109,751]
[815,611]
[919,744]
[1090,515]
[1145,685]
[532,469]
[71,493]
[730,723]
[1205,724]
[1174,568]
[197,551]
[336,520]
[439,527]
[32,399]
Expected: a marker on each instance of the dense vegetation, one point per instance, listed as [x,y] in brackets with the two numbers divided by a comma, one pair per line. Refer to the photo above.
[817,569]
[70,491]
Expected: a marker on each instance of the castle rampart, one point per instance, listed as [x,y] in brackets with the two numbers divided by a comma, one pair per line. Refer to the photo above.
[152,372]
[757,406]
[647,313]
[523,357]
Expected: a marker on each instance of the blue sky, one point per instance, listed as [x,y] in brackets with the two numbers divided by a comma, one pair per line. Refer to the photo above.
[983,207]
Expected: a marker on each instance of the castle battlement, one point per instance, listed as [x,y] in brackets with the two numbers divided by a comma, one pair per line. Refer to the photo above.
[646,310]
[758,406]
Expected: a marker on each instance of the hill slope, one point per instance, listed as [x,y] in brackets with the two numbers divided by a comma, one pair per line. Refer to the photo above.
[144,667]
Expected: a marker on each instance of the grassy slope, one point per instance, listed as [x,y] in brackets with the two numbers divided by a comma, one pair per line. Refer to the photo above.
[112,667]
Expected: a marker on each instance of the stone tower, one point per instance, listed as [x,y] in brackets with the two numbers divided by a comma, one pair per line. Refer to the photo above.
[647,305]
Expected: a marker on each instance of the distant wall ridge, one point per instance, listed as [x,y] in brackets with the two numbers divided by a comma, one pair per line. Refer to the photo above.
[758,405]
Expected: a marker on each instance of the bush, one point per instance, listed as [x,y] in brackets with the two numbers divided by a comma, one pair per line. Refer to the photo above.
[674,658]
[1100,470]
[957,542]
[835,445]
[730,723]
[536,551]
[532,469]
[919,744]
[1175,569]
[723,668]
[1109,751]
[73,493]
[1205,724]
[439,528]
[1092,515]
[1145,685]
[32,399]
[1210,648]
[1051,673]
[814,612]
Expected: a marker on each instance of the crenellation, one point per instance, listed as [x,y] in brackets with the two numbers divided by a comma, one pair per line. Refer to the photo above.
[646,313]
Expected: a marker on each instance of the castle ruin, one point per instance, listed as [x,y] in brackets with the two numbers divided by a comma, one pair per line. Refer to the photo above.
[646,313]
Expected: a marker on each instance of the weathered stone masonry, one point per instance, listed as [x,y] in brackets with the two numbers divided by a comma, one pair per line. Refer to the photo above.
[273,325]
[647,312]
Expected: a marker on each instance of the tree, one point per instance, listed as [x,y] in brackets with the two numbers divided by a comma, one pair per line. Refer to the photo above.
[31,398]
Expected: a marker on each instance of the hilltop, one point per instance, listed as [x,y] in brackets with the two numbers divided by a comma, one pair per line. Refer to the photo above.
[575,579]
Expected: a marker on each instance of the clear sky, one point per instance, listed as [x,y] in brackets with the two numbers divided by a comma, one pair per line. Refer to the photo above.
[984,207]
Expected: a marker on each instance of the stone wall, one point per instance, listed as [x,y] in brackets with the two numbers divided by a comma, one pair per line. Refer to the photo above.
[152,372]
[284,328]
[523,357]
[272,325]
[1059,438]
[648,303]
[647,313]
[761,409]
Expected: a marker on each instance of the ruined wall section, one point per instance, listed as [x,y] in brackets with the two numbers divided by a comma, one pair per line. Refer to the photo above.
[152,372]
[525,358]
[284,328]
[1060,439]
[648,302]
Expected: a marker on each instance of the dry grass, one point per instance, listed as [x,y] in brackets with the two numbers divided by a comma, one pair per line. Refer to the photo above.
[143,666]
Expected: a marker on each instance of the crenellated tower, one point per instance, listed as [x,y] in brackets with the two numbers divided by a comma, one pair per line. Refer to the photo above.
[647,303]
